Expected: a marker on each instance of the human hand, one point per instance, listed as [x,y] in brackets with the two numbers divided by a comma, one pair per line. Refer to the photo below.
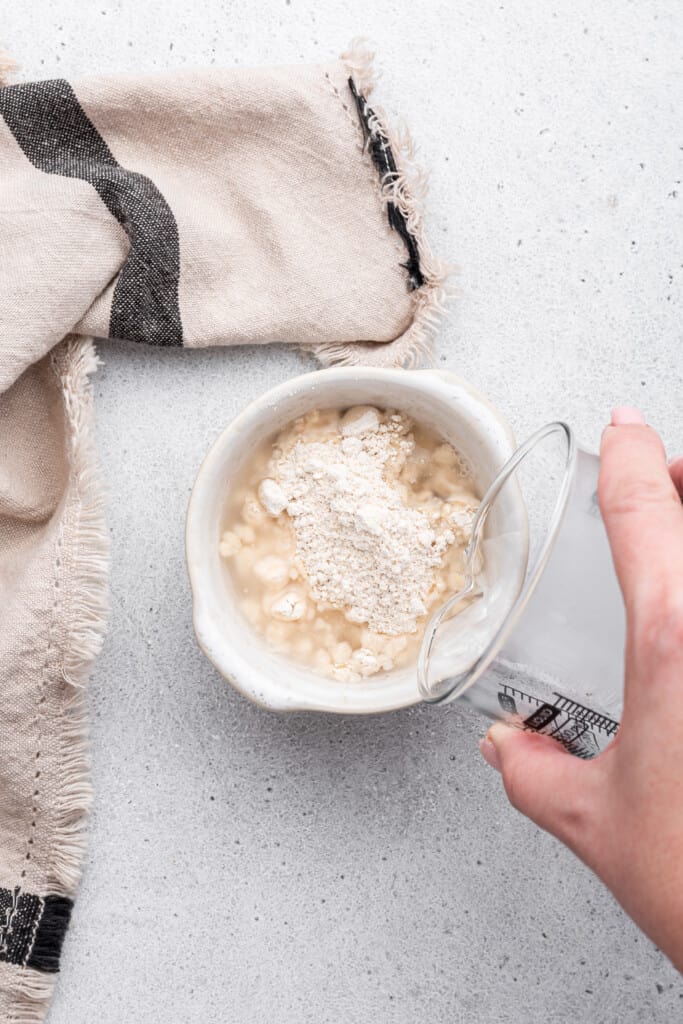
[622,813]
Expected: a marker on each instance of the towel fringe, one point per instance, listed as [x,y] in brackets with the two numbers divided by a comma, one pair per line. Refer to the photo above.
[8,67]
[359,59]
[75,360]
[406,189]
[33,993]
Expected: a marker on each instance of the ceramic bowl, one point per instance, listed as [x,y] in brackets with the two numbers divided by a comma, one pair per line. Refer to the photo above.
[441,401]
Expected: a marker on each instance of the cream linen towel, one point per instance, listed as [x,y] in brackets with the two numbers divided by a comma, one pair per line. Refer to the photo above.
[194,208]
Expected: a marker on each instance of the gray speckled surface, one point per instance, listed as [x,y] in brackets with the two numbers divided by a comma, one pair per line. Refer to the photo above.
[244,867]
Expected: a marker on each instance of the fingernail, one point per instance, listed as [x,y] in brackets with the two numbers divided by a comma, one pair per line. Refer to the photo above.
[626,415]
[489,753]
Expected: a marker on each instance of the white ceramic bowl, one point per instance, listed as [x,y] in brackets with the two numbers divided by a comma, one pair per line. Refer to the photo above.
[442,401]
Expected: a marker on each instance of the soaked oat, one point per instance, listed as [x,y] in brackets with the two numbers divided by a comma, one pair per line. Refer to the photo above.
[349,529]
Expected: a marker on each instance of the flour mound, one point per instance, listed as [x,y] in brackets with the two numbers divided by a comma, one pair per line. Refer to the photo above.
[363,549]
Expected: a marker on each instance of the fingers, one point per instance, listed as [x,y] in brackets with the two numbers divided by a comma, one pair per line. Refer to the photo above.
[676,474]
[640,506]
[557,791]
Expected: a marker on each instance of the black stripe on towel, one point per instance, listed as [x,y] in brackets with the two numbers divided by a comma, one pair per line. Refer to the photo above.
[385,162]
[32,928]
[57,137]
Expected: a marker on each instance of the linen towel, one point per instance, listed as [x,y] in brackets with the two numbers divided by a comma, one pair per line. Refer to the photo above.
[194,208]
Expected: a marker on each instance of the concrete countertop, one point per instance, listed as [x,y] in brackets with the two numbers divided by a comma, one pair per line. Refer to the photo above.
[245,867]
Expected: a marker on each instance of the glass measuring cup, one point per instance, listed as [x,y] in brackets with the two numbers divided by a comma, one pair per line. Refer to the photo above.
[549,659]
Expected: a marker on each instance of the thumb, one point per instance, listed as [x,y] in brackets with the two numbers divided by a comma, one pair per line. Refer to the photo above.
[544,782]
